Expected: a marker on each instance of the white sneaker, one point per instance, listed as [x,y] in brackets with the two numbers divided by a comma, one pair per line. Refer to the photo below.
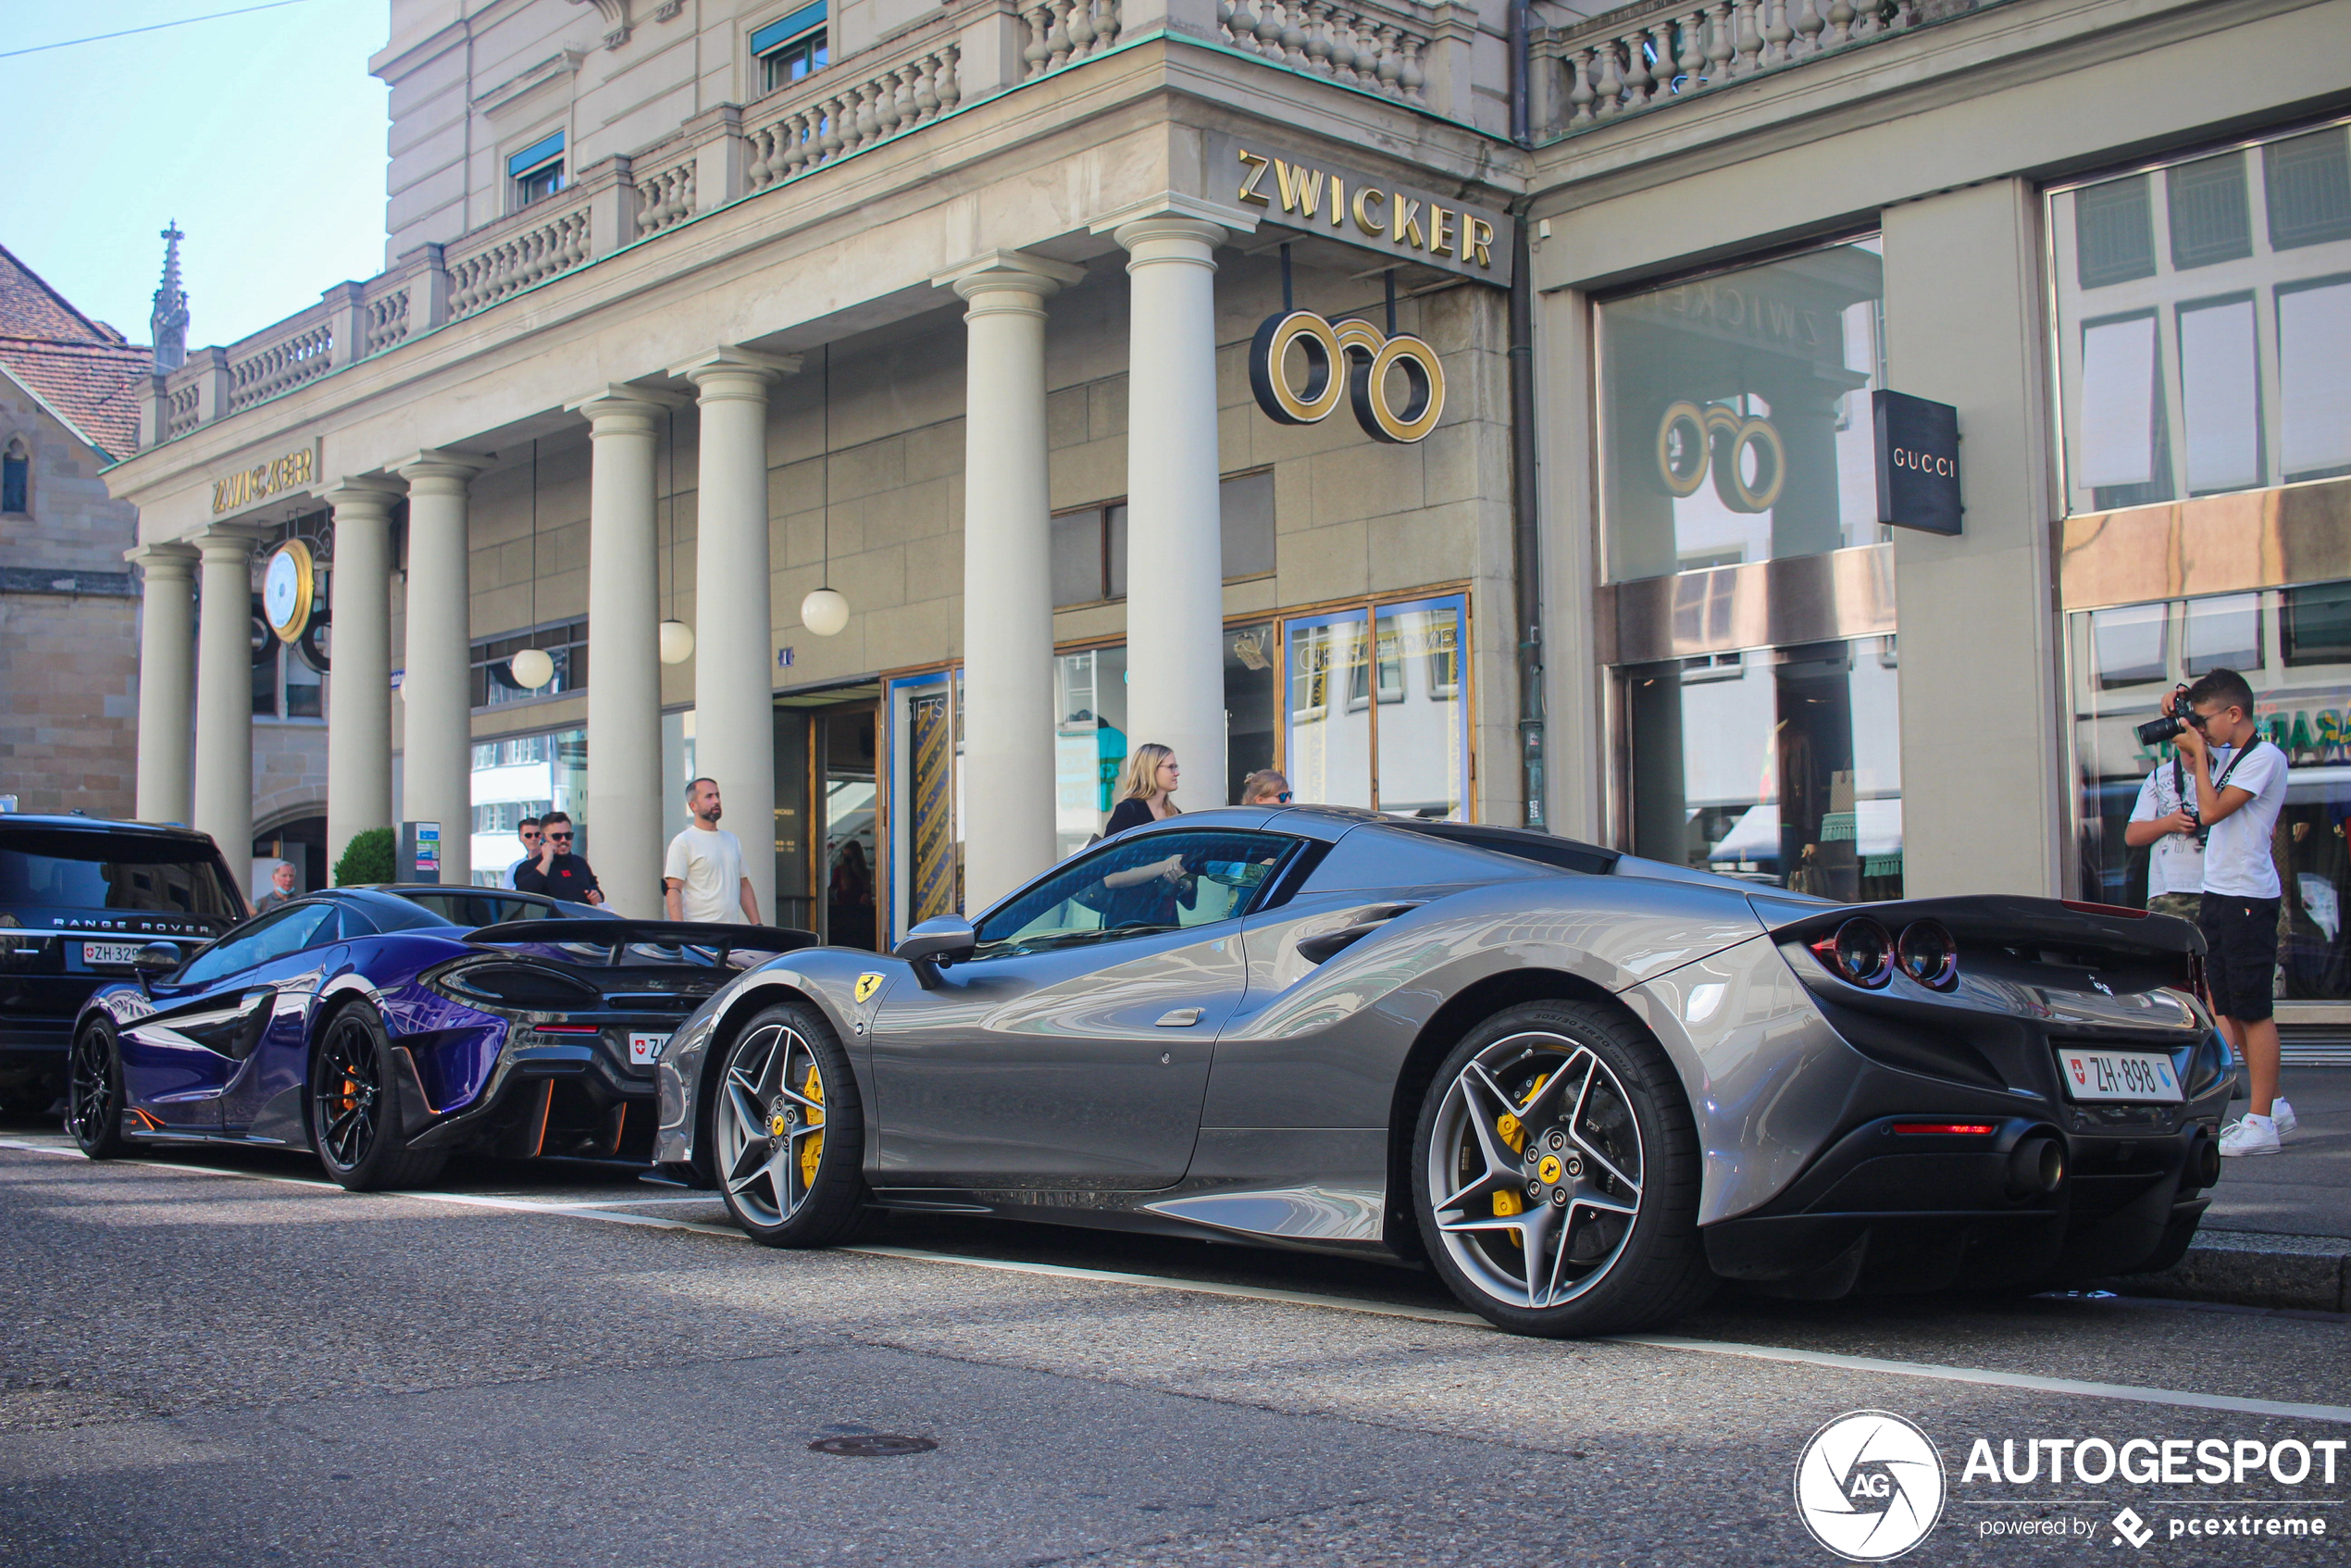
[2252,1134]
[2283,1114]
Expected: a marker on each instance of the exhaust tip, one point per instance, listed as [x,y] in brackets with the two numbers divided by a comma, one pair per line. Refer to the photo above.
[2037,1168]
[2203,1163]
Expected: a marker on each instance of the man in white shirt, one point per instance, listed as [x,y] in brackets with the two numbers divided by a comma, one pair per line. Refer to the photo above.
[2240,787]
[528,831]
[703,876]
[2165,818]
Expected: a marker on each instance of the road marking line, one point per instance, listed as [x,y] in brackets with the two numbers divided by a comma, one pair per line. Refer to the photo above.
[2026,1382]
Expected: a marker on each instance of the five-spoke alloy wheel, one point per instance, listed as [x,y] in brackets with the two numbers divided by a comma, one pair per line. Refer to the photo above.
[94,1093]
[788,1131]
[353,1124]
[1556,1174]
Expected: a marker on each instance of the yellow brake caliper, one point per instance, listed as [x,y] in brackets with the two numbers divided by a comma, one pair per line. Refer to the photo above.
[1507,1202]
[812,1151]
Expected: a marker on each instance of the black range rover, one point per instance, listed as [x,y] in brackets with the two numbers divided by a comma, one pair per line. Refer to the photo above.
[78,898]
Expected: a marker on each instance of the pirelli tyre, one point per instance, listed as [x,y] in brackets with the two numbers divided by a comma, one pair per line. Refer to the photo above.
[1555,1172]
[788,1130]
[352,1127]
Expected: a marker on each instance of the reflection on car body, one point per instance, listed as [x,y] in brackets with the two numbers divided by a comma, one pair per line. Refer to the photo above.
[1583,1088]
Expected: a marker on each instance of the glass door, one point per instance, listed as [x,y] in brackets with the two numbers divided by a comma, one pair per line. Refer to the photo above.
[844,742]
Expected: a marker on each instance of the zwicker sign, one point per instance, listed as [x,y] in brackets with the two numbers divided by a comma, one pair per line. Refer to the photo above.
[249,487]
[1368,211]
[1352,360]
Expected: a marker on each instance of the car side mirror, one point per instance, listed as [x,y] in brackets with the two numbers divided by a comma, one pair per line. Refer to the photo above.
[945,940]
[155,960]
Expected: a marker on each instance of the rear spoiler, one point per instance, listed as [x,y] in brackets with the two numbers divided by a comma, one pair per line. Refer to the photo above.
[621,935]
[2095,932]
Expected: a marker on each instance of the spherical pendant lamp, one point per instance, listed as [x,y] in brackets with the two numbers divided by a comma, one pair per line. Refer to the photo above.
[532,669]
[677,642]
[825,612]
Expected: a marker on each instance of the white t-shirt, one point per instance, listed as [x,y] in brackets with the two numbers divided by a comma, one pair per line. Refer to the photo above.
[2175,862]
[514,867]
[708,863]
[2237,860]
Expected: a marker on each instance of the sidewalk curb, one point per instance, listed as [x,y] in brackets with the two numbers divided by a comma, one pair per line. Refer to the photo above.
[2252,1269]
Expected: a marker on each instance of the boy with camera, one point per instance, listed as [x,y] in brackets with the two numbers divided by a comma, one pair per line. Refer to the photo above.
[2239,782]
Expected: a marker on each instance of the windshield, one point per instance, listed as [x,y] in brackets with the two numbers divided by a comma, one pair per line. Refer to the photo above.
[65,869]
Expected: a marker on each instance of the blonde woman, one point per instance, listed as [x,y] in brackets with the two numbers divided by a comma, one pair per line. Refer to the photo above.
[1147,790]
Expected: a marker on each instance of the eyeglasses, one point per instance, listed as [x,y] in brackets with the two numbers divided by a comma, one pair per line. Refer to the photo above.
[560,838]
[1283,797]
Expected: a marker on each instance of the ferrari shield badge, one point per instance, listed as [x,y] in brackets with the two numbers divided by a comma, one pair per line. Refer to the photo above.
[867,985]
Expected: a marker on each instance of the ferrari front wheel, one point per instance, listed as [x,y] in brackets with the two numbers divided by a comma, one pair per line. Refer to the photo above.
[1556,1175]
[788,1130]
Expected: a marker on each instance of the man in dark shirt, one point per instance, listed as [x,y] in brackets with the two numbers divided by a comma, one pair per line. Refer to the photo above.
[558,872]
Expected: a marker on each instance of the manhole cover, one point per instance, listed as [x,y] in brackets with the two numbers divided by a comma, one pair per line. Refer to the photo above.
[873,1445]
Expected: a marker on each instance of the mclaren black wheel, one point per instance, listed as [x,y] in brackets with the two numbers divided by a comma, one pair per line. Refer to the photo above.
[94,1093]
[351,1107]
[788,1130]
[1556,1175]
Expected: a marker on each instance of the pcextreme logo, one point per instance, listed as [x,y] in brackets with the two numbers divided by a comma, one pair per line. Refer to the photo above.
[1869,1486]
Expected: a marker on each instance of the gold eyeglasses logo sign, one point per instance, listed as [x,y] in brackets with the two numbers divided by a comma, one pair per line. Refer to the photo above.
[1351,361]
[1693,440]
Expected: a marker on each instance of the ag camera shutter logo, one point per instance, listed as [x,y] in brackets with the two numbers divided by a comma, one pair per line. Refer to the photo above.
[1870,1485]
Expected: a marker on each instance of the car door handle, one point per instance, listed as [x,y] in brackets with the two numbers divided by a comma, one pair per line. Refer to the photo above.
[1179,1018]
[1330,944]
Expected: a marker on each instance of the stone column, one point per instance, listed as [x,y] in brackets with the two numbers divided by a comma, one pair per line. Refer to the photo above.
[359,736]
[224,698]
[1008,582]
[734,631]
[436,776]
[1175,623]
[167,671]
[624,647]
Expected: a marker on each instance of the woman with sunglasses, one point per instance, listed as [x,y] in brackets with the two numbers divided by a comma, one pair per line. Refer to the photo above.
[1265,787]
[558,872]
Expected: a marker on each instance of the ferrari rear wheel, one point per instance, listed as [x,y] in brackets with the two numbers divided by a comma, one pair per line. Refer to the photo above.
[1556,1175]
[352,1123]
[93,1094]
[788,1131]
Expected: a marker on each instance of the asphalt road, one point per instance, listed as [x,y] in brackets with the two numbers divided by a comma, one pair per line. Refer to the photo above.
[212,1358]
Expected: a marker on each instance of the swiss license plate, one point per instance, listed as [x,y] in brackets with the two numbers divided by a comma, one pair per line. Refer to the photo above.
[2118,1075]
[110,953]
[645,1050]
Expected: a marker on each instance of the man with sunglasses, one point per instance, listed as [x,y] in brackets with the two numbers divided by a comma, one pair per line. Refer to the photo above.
[558,872]
[2240,781]
[528,831]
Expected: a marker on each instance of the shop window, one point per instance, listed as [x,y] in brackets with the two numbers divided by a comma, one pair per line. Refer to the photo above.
[1374,708]
[284,684]
[2302,701]
[2225,364]
[2307,182]
[2210,220]
[1787,773]
[792,48]
[1736,415]
[519,775]
[16,476]
[1089,544]
[494,681]
[2314,624]
[2114,234]
[2130,644]
[537,172]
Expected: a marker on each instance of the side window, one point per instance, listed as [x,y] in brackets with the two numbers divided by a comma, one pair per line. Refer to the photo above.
[273,935]
[1135,886]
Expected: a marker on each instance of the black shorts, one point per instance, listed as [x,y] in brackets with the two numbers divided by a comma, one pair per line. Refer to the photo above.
[2241,963]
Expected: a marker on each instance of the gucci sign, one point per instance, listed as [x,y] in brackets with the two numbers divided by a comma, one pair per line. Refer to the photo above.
[1350,360]
[1694,440]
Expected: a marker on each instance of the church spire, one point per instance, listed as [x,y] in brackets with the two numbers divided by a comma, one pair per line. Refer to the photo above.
[170,322]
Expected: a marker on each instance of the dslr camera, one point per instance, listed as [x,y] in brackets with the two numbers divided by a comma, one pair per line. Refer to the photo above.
[2167,726]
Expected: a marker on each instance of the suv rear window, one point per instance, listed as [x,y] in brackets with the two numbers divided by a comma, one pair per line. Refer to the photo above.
[52,869]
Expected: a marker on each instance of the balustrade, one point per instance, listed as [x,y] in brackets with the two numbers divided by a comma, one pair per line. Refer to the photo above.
[1378,51]
[515,261]
[386,319]
[180,409]
[287,359]
[846,117]
[1628,61]
[664,199]
[1062,32]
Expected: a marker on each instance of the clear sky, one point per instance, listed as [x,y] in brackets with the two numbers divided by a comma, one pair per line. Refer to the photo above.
[262,135]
